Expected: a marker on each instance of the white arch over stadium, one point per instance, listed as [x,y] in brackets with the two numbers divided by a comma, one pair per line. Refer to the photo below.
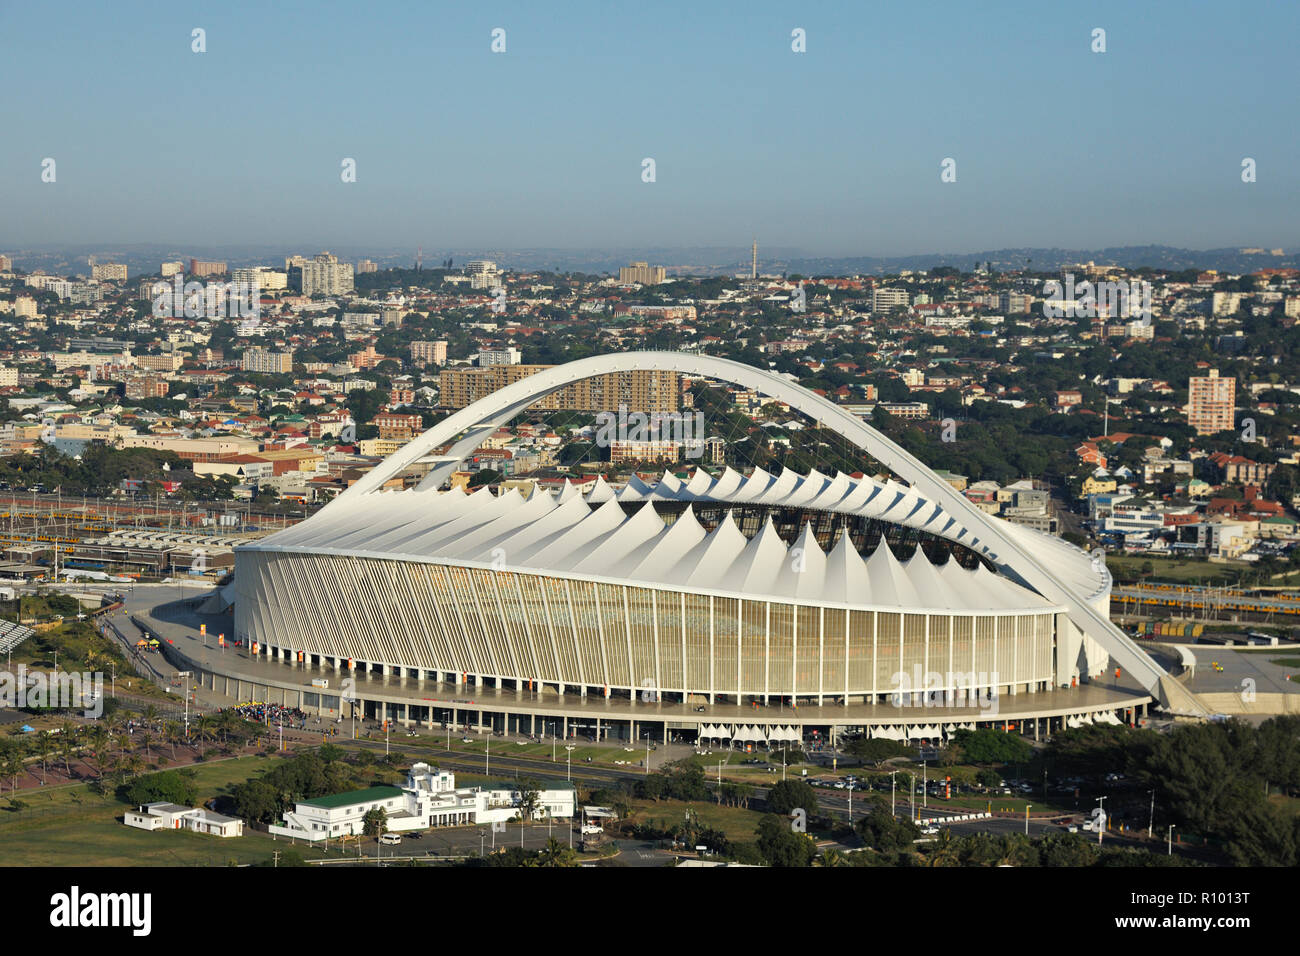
[481,418]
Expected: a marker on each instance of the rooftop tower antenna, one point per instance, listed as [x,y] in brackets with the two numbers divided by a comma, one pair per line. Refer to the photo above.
[753,261]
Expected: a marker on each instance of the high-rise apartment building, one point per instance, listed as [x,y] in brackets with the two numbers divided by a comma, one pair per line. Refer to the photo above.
[434,353]
[1015,303]
[6,264]
[169,269]
[1210,403]
[260,278]
[882,299]
[201,267]
[108,272]
[483,274]
[325,275]
[266,362]
[365,265]
[642,273]
[140,387]
[503,356]
[641,390]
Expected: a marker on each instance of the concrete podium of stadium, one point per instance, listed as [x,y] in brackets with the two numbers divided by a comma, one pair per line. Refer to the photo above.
[239,676]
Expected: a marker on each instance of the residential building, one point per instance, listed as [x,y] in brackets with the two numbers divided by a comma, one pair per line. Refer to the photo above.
[1211,403]
[643,390]
[267,362]
[433,353]
[642,273]
[200,268]
[325,275]
[108,272]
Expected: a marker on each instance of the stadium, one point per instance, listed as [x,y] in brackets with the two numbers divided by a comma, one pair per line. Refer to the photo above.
[882,597]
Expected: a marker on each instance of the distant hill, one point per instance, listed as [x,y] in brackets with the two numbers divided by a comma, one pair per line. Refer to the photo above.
[144,259]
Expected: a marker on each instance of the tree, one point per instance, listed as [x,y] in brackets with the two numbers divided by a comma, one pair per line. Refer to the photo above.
[993,746]
[556,854]
[530,799]
[780,845]
[876,750]
[789,795]
[255,801]
[375,822]
[170,786]
[885,832]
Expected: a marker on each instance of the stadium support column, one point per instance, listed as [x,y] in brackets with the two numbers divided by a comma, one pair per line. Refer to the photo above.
[406,715]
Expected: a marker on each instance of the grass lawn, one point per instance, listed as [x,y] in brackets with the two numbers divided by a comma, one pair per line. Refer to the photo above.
[1171,570]
[73,826]
[737,823]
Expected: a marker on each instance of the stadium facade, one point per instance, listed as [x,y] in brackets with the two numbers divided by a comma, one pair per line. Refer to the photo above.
[724,589]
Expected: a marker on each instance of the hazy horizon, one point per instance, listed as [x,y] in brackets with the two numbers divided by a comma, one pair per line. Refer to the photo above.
[833,152]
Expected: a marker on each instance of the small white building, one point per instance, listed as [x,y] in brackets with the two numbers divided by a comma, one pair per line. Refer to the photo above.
[172,816]
[429,798]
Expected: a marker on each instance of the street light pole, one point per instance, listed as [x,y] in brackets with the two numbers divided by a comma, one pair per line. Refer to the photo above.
[1028,806]
[1151,823]
[1171,839]
[893,788]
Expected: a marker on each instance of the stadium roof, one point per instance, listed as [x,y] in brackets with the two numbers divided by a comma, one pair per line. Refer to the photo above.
[594,537]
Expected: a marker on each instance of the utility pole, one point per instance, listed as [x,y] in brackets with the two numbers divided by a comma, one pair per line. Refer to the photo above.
[1151,823]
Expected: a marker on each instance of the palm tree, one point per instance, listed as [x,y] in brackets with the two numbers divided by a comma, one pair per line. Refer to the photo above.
[203,728]
[172,733]
[555,854]
[44,747]
[945,851]
[129,765]
[12,761]
[145,740]
[67,744]
[832,857]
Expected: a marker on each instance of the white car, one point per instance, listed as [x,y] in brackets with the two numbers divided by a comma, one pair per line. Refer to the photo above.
[930,830]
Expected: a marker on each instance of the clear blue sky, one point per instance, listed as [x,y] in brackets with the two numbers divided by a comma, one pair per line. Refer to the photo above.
[835,151]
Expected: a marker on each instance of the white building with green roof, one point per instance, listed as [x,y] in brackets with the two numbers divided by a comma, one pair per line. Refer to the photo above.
[429,798]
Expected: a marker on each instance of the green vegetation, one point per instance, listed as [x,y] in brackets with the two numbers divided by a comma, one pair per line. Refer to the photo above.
[100,469]
[993,746]
[172,786]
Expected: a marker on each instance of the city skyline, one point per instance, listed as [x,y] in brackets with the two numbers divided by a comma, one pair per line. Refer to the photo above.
[838,150]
